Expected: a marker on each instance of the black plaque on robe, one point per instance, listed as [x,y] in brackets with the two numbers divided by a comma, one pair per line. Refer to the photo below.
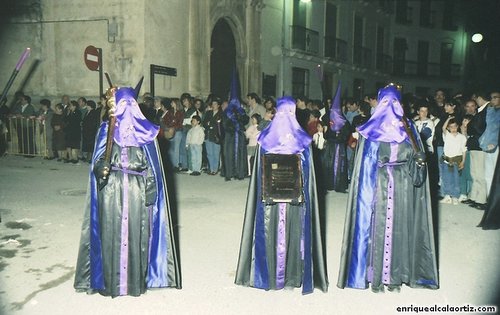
[281,178]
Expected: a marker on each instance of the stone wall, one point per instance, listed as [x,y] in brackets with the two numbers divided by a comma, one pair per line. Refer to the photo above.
[132,35]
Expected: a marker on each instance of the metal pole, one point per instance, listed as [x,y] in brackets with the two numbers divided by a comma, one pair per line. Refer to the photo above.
[19,64]
[152,80]
[101,83]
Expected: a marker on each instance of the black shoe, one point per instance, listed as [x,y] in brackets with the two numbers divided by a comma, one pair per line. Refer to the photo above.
[467,201]
[183,169]
[394,288]
[480,206]
[195,174]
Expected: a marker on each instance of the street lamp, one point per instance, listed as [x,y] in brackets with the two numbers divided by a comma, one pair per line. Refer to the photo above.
[476,63]
[477,38]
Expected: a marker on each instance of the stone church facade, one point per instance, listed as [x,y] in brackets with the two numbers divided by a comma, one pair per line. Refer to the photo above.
[133,35]
[279,47]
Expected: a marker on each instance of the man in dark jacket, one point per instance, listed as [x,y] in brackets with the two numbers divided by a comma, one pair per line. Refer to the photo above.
[475,129]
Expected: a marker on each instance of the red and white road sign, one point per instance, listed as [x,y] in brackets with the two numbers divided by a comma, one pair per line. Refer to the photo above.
[91,58]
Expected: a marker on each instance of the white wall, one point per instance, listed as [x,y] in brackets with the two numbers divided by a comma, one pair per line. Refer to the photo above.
[59,41]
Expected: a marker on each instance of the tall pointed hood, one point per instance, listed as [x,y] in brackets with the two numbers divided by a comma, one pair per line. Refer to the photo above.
[284,135]
[138,87]
[234,105]
[132,129]
[337,119]
[385,124]
[234,92]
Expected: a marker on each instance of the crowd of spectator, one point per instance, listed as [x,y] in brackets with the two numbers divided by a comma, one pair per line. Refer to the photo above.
[215,136]
[65,131]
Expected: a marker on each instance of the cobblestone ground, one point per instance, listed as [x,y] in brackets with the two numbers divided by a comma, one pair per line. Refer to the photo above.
[41,204]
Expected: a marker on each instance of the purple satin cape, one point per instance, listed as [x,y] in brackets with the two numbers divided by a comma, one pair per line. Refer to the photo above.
[132,129]
[284,135]
[357,274]
[158,263]
[385,124]
[337,119]
[261,272]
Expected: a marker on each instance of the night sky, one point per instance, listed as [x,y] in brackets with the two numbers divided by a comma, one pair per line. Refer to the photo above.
[483,16]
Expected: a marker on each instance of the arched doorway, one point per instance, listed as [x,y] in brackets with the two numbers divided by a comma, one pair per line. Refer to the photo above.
[222,58]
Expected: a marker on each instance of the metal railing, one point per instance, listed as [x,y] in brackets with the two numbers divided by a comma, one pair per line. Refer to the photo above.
[426,70]
[427,19]
[362,56]
[26,136]
[384,63]
[386,5]
[404,15]
[305,39]
[336,49]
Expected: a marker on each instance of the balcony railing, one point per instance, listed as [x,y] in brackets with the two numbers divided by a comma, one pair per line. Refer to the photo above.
[305,39]
[448,23]
[427,19]
[444,70]
[336,49]
[405,17]
[386,6]
[362,56]
[428,70]
[384,63]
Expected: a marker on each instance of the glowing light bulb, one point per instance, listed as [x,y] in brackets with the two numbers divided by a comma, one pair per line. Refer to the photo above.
[476,38]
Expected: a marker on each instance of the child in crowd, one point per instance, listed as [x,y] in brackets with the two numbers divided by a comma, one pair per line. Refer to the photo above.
[266,120]
[318,144]
[194,144]
[251,134]
[318,138]
[454,157]
[425,127]
[464,175]
[312,124]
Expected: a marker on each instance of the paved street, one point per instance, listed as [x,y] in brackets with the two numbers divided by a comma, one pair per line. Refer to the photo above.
[41,204]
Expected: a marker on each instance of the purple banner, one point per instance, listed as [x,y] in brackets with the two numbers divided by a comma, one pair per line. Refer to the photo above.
[23,58]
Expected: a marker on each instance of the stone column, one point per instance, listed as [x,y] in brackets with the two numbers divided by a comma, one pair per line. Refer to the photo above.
[194,55]
[253,64]
[205,31]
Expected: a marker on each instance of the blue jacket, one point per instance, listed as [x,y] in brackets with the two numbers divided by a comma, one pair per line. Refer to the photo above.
[490,134]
